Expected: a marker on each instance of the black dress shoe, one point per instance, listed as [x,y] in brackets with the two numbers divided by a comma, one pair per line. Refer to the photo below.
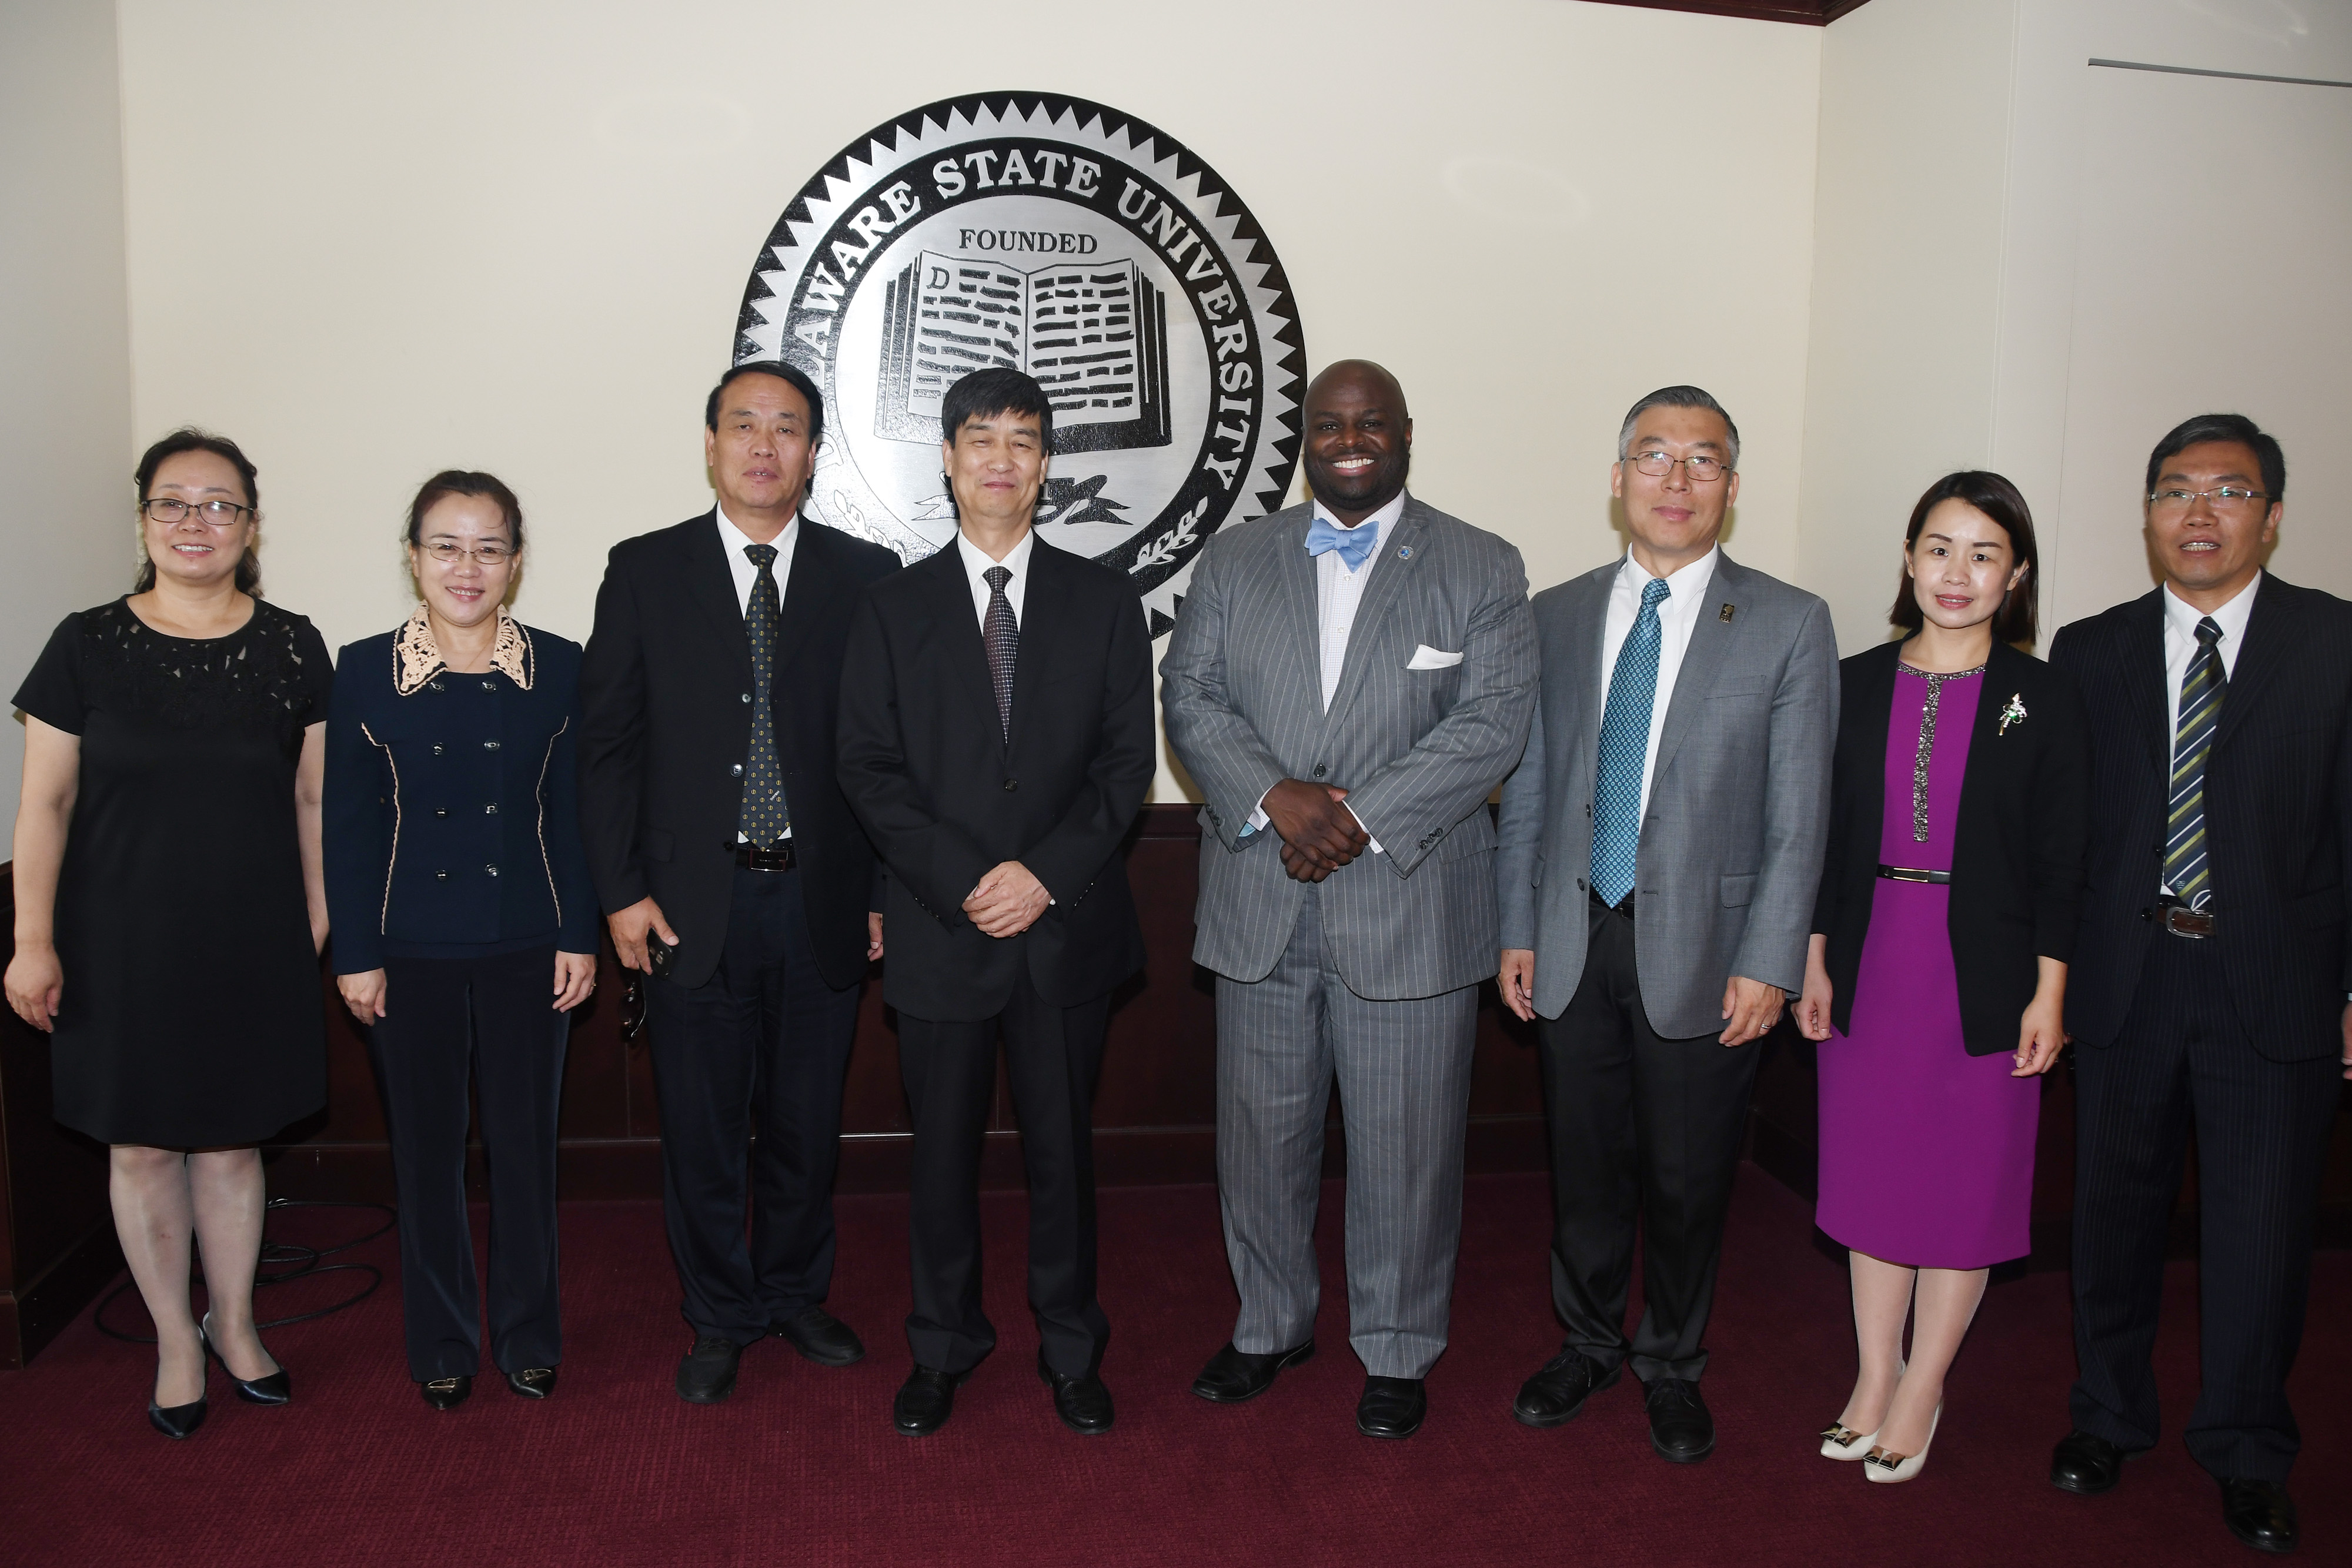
[275,1389]
[1392,1407]
[821,1337]
[1680,1429]
[1556,1393]
[2259,1513]
[532,1382]
[1082,1403]
[445,1393]
[175,1420]
[2087,1463]
[1234,1375]
[707,1373]
[925,1401]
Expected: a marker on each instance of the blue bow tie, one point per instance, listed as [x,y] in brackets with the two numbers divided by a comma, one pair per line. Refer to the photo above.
[1354,545]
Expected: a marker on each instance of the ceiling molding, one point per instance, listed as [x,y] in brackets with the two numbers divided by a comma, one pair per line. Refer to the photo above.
[1805,13]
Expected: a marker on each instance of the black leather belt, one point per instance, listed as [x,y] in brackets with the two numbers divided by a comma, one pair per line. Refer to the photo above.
[2170,915]
[1904,873]
[750,857]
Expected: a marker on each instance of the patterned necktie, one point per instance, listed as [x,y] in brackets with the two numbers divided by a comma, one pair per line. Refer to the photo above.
[2202,690]
[1624,746]
[766,817]
[1002,635]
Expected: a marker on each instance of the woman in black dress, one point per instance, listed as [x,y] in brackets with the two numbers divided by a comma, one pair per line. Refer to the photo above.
[171,903]
[465,924]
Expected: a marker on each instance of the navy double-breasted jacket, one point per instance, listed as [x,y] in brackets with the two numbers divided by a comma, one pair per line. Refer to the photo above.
[452,812]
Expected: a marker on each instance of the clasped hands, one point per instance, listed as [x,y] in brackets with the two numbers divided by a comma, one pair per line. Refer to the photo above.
[1318,834]
[1007,900]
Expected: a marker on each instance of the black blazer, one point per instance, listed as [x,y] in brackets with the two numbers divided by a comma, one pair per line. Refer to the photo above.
[2017,848]
[2278,816]
[666,687]
[452,821]
[947,800]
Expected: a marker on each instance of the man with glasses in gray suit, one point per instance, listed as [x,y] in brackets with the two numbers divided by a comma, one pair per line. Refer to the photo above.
[1347,683]
[1661,847]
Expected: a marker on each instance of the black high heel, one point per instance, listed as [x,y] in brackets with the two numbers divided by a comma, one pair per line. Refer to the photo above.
[275,1389]
[178,1421]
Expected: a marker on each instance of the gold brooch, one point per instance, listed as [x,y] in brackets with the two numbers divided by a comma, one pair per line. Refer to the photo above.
[2014,713]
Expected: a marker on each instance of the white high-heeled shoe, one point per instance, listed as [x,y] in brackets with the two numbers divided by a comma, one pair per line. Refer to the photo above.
[1886,1468]
[1840,1441]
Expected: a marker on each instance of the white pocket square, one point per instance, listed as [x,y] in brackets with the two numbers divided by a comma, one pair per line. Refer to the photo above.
[1425,657]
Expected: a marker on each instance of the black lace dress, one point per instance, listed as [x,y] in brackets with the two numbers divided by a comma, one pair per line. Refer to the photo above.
[191,1015]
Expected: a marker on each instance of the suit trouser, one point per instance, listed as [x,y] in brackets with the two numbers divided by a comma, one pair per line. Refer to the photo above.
[758,1050]
[2182,1060]
[1052,1055]
[1643,1128]
[493,1019]
[1403,1071]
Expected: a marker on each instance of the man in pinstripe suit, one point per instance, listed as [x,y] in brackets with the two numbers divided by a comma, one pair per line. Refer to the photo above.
[1347,683]
[1662,845]
[2209,982]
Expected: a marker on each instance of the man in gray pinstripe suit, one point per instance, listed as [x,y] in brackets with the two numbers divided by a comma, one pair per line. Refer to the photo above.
[1661,847]
[1347,683]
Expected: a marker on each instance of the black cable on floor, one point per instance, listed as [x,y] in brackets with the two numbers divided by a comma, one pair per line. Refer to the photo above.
[292,1260]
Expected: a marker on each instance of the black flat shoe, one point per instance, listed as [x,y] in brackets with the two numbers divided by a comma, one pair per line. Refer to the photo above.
[925,1401]
[276,1388]
[1556,1393]
[176,1421]
[2259,1513]
[1392,1407]
[1082,1403]
[706,1374]
[1234,1375]
[821,1337]
[445,1393]
[1681,1430]
[2087,1463]
[532,1382]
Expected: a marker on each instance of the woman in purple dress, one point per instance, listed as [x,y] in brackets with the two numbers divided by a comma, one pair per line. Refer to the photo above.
[1936,978]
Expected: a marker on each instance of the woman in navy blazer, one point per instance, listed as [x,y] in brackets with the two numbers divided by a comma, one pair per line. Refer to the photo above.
[465,925]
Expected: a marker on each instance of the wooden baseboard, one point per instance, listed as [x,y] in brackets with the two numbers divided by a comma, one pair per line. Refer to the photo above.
[37,1313]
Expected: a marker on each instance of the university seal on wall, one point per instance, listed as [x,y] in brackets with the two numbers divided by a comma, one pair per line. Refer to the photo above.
[1062,238]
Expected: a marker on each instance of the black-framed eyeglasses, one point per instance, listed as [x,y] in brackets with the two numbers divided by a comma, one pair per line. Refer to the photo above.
[490,552]
[1701,468]
[632,1005]
[2225,497]
[169,509]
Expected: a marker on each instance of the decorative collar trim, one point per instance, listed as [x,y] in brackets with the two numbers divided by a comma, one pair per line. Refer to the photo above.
[417,658]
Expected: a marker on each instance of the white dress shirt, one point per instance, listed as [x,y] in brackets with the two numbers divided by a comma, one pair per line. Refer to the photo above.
[1678,616]
[1338,590]
[976,561]
[732,542]
[2181,620]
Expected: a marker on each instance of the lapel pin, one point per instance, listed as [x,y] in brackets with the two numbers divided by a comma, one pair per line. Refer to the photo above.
[1404,552]
[1723,614]
[2014,713]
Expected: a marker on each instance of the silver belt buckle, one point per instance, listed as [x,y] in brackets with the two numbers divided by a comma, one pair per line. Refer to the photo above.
[2183,921]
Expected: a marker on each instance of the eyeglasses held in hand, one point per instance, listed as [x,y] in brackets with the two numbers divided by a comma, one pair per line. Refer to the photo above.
[488,553]
[2226,499]
[1701,468]
[169,509]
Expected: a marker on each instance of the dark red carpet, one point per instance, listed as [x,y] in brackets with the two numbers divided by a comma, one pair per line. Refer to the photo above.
[802,1465]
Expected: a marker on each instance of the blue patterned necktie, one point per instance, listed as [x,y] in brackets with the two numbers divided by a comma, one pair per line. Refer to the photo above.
[764,817]
[2201,689]
[1624,746]
[1353,544]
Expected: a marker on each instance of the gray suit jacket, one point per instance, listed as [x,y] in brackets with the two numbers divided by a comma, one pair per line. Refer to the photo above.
[1739,799]
[1418,750]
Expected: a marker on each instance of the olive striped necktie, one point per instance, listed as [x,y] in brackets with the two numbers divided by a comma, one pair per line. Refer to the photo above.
[2186,869]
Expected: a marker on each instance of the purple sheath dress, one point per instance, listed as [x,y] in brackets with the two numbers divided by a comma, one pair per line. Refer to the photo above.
[1926,1152]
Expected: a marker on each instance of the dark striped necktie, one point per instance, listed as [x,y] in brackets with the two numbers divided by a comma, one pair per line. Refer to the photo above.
[2186,869]
[1002,633]
[766,817]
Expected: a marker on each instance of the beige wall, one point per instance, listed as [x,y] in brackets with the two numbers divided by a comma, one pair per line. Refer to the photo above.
[2039,265]
[65,395]
[512,236]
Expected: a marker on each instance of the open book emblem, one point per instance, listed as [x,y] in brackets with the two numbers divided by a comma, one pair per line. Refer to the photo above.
[1094,335]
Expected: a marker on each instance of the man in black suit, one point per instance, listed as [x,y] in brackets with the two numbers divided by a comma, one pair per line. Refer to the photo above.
[733,874]
[2209,981]
[996,740]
